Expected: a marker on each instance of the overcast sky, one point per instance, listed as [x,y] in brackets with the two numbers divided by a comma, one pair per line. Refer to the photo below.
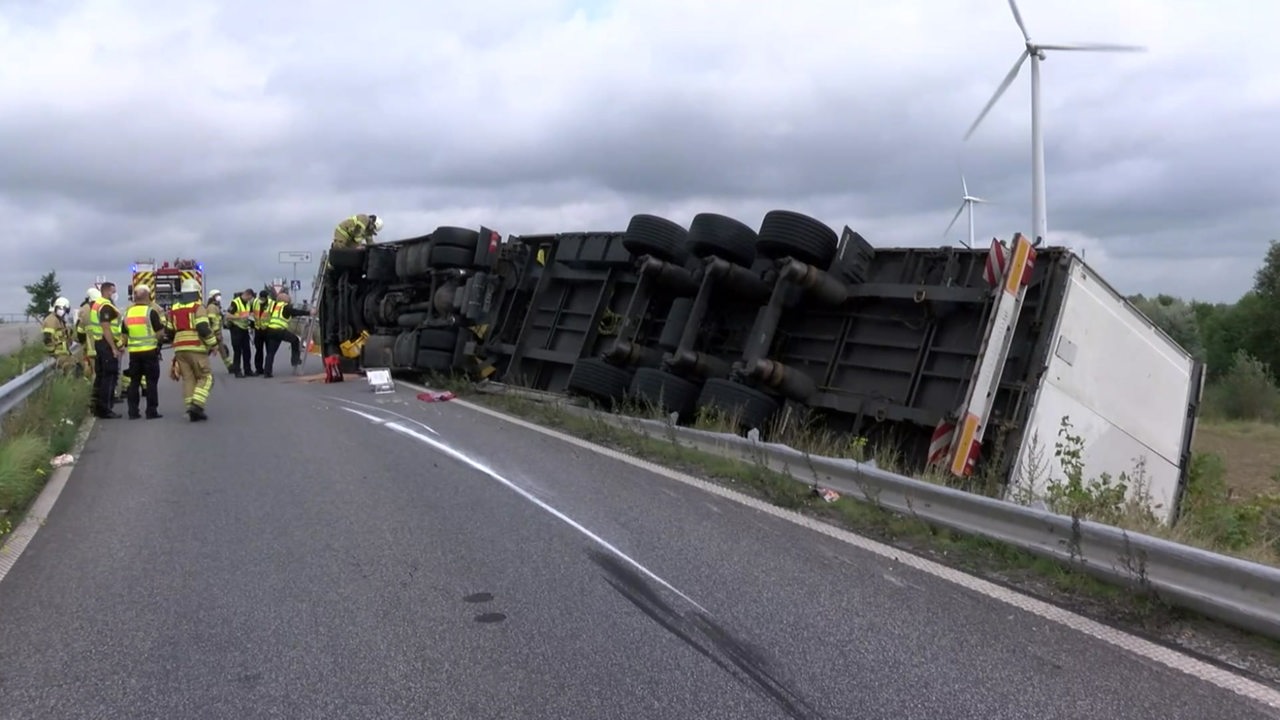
[229,131]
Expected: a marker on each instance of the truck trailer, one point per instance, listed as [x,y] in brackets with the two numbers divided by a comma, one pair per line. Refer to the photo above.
[970,360]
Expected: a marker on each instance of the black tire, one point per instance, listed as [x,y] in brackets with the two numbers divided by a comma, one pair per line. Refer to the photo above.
[433,360]
[404,354]
[419,263]
[409,321]
[749,406]
[457,237]
[346,258]
[722,236]
[597,379]
[382,264]
[442,339]
[659,237]
[789,234]
[378,351]
[402,263]
[445,256]
[371,308]
[670,393]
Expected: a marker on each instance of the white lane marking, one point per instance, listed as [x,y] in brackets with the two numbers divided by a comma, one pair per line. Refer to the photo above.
[1169,657]
[477,465]
[22,536]
[379,408]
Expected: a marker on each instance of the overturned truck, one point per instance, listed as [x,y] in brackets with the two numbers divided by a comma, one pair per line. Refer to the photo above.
[969,359]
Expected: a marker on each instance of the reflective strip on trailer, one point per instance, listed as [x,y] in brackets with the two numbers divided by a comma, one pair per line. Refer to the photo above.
[1016,274]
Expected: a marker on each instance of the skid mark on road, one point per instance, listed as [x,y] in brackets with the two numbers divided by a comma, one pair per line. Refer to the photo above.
[485,469]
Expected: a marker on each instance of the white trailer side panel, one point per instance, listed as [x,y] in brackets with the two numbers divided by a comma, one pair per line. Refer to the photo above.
[1125,387]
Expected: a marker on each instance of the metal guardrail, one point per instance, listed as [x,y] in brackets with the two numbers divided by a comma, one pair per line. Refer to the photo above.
[1234,591]
[17,390]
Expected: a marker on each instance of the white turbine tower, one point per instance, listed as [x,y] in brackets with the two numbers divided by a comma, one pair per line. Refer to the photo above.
[1035,51]
[967,201]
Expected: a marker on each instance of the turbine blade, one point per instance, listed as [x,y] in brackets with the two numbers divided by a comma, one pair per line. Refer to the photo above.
[978,200]
[964,185]
[1008,80]
[954,219]
[1017,17]
[1095,47]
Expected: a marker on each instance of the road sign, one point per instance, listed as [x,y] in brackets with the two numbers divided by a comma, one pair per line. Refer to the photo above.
[288,257]
[295,285]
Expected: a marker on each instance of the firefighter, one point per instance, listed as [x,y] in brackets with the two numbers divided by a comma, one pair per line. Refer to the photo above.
[101,329]
[277,331]
[240,320]
[144,328]
[356,231]
[126,379]
[260,308]
[57,336]
[82,332]
[216,322]
[193,342]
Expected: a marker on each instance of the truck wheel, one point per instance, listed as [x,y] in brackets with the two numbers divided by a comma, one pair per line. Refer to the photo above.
[749,407]
[663,390]
[405,353]
[598,380]
[382,264]
[789,234]
[445,236]
[346,259]
[722,236]
[444,339]
[659,237]
[419,263]
[447,256]
[378,351]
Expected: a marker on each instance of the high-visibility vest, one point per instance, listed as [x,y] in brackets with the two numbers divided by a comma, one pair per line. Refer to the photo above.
[240,312]
[138,330]
[275,317]
[95,318]
[260,308]
[186,338]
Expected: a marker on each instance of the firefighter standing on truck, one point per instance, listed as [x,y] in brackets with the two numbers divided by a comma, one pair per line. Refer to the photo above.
[238,324]
[215,325]
[356,231]
[193,341]
[57,336]
[143,329]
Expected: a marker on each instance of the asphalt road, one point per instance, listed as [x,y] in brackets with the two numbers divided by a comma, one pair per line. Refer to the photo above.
[289,559]
[11,335]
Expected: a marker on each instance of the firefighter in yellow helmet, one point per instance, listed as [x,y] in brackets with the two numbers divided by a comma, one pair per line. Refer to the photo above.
[57,336]
[82,333]
[193,341]
[356,231]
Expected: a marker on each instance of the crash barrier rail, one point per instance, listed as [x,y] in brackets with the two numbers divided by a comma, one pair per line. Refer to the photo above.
[1234,591]
[17,390]
[17,318]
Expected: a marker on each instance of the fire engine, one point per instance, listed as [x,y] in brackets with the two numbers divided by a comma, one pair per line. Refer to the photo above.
[165,280]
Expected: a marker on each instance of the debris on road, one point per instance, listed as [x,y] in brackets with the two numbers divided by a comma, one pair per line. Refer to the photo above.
[436,396]
[62,460]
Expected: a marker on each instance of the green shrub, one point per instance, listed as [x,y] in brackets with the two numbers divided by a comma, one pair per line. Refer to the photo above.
[1245,392]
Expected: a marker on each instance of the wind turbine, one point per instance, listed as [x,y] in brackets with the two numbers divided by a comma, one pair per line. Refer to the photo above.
[968,201]
[1035,51]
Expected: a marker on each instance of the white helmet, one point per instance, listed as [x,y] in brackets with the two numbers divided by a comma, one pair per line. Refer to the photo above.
[93,294]
[62,303]
[190,286]
[377,223]
[214,294]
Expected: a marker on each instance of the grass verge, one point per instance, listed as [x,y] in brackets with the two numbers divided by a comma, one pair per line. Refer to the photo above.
[20,361]
[1040,577]
[43,427]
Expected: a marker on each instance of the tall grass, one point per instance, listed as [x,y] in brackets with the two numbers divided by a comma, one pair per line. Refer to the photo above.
[45,426]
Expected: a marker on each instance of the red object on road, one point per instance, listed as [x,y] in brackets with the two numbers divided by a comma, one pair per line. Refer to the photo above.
[436,396]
